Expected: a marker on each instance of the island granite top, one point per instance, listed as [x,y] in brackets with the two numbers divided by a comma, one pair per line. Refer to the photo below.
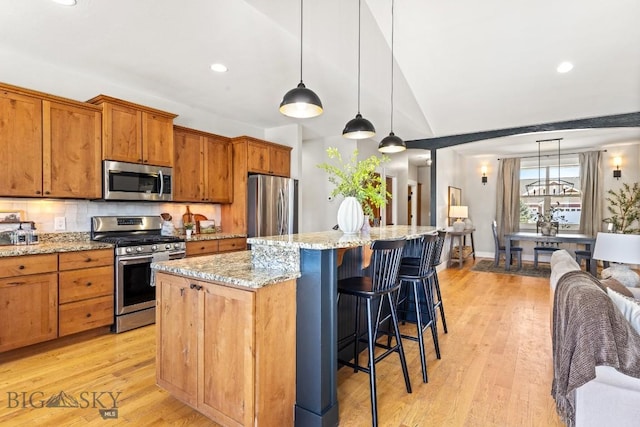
[234,269]
[337,239]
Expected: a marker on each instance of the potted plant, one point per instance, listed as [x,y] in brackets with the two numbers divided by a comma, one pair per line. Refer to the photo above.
[624,207]
[548,223]
[358,183]
[188,229]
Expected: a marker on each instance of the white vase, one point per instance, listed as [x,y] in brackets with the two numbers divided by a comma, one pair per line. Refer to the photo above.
[350,216]
[188,233]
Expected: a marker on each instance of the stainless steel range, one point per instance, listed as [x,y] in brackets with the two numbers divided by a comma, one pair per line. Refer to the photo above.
[138,243]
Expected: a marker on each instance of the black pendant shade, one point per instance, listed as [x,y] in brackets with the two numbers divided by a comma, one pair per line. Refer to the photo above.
[358,128]
[391,144]
[301,103]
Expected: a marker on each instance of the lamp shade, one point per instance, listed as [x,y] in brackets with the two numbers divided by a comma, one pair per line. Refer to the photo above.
[391,144]
[620,248]
[301,102]
[358,128]
[459,212]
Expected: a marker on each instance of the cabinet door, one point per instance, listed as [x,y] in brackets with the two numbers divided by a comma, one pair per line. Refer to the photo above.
[217,170]
[121,133]
[71,151]
[157,140]
[280,161]
[20,145]
[258,157]
[226,371]
[177,322]
[187,168]
[29,311]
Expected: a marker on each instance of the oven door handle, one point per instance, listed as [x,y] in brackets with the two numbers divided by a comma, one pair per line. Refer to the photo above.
[128,260]
[177,255]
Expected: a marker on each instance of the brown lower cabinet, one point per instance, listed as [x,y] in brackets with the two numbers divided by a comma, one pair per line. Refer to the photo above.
[43,297]
[228,352]
[215,246]
[86,290]
[28,300]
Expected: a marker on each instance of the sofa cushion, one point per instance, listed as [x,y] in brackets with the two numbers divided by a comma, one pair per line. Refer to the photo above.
[561,262]
[629,307]
[616,286]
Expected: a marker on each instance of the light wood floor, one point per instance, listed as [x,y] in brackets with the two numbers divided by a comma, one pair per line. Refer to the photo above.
[495,370]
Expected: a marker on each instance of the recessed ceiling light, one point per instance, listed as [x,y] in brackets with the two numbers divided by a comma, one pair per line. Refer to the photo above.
[66,2]
[220,68]
[565,67]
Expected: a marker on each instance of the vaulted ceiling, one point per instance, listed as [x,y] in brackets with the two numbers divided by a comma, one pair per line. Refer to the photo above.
[461,66]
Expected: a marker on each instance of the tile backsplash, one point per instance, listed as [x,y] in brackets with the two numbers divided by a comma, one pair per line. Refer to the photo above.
[78,213]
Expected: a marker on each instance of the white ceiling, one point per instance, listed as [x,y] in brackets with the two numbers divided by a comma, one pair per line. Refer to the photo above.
[461,66]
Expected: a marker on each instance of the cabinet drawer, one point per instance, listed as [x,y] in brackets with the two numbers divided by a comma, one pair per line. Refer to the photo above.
[229,245]
[204,247]
[84,315]
[84,259]
[86,283]
[29,264]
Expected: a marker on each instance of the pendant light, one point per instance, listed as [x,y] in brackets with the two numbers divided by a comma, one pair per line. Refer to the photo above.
[391,143]
[301,102]
[358,127]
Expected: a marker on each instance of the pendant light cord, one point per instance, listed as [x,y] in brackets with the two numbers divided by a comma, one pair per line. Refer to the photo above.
[359,32]
[392,28]
[301,6]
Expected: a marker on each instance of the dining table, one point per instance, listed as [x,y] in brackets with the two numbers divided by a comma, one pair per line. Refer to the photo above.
[581,239]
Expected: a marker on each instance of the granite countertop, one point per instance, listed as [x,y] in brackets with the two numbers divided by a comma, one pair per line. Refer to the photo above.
[337,239]
[212,236]
[52,247]
[234,269]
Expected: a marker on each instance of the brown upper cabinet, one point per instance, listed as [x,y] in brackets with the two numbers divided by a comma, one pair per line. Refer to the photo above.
[268,158]
[251,155]
[135,133]
[202,167]
[49,146]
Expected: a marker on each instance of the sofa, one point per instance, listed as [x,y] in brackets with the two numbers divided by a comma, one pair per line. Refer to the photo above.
[596,350]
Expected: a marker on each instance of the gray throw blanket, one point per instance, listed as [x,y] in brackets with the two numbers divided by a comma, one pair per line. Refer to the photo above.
[588,331]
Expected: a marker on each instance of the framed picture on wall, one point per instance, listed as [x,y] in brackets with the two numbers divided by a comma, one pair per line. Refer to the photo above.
[455,199]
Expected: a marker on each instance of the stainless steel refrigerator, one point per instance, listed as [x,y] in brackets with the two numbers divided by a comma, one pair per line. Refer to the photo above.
[272,206]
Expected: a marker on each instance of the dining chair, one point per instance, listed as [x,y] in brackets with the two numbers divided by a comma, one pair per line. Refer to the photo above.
[500,249]
[544,247]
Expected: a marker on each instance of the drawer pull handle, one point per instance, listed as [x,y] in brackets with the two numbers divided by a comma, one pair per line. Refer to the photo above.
[89,283]
[196,287]
[88,260]
[21,267]
[88,315]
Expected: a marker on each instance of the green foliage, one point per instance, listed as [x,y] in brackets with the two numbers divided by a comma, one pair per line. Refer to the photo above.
[189,225]
[525,212]
[624,207]
[357,179]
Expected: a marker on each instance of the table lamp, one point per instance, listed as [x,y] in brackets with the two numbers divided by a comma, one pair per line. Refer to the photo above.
[459,212]
[620,249]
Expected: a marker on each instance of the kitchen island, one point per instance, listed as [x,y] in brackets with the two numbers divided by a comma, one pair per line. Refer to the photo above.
[313,260]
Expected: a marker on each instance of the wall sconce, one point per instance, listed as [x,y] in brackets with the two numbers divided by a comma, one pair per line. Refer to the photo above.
[484,175]
[617,173]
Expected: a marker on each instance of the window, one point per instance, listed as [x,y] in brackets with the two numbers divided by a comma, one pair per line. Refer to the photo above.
[544,185]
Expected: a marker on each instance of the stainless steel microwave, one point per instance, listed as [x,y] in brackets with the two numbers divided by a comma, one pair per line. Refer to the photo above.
[131,181]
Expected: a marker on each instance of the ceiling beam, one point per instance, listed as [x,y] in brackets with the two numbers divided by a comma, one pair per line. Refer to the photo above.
[614,121]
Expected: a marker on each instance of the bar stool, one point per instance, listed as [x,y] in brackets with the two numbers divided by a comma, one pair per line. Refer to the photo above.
[379,287]
[414,300]
[436,261]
